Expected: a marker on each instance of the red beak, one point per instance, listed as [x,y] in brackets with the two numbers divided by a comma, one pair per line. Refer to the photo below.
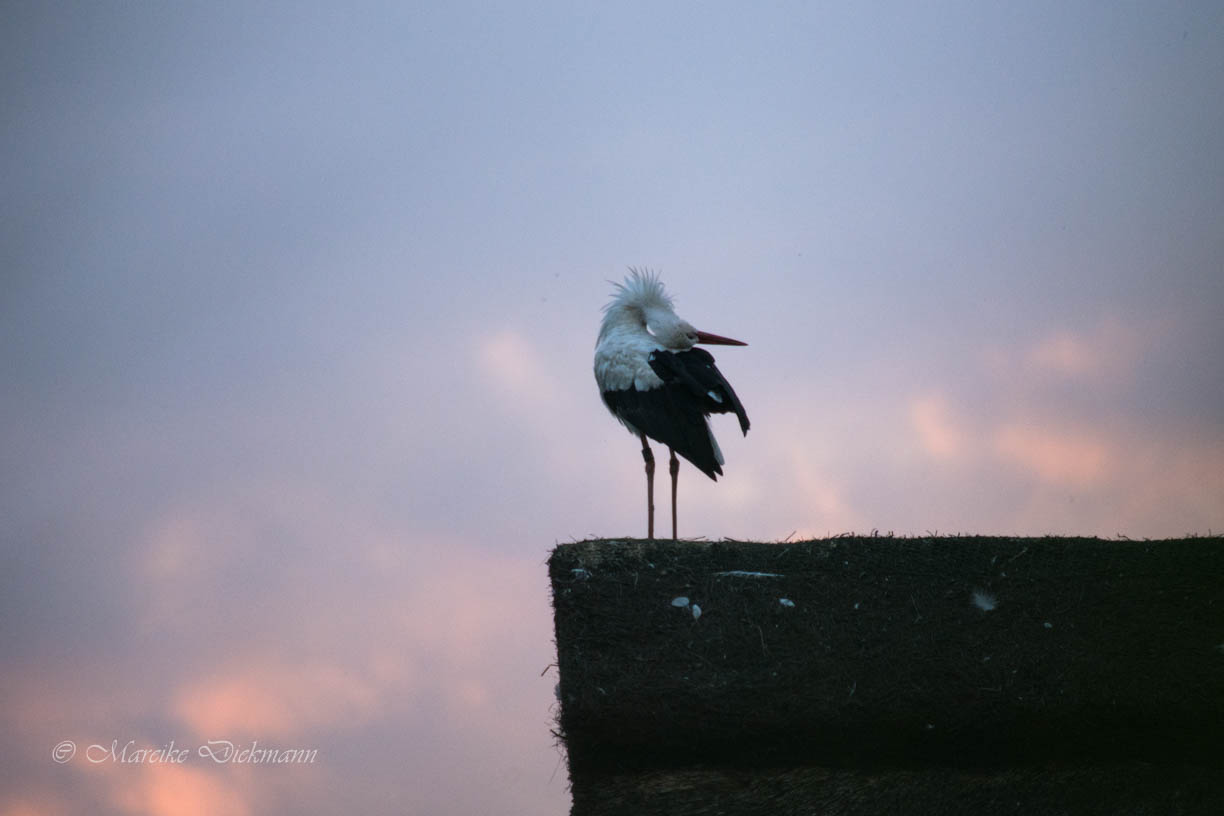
[715,340]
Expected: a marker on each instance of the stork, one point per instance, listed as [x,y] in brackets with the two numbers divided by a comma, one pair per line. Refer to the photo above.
[658,385]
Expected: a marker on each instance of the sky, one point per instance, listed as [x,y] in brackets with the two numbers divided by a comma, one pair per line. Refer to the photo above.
[299,303]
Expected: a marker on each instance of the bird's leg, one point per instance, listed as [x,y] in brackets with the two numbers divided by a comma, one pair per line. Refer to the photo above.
[674,467]
[649,457]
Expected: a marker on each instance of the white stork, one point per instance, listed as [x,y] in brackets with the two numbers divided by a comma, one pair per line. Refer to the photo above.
[658,385]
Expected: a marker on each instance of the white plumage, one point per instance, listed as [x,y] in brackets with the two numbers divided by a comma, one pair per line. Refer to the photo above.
[626,337]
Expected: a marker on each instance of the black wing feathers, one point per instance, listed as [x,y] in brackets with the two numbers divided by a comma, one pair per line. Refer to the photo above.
[675,413]
[668,415]
[694,370]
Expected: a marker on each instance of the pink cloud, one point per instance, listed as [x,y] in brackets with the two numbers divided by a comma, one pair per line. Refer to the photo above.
[267,699]
[448,646]
[24,806]
[515,369]
[175,790]
[1079,459]
[940,435]
[1066,354]
[1106,351]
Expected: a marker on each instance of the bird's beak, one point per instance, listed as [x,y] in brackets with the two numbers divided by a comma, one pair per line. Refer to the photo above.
[715,340]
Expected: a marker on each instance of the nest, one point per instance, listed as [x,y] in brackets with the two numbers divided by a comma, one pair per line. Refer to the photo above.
[870,655]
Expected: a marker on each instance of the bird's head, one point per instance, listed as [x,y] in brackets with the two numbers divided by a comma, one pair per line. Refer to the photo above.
[642,301]
[671,332]
[674,333]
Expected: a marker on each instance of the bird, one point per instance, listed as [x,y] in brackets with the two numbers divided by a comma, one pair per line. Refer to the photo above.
[658,384]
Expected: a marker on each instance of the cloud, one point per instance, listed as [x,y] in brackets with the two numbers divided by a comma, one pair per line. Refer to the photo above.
[174,790]
[939,435]
[1168,484]
[1110,349]
[25,807]
[819,494]
[1105,353]
[1061,429]
[265,699]
[437,664]
[793,473]
[1066,354]
[514,368]
[1078,458]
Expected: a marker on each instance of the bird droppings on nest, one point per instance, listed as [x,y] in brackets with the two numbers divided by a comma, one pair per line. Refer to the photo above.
[682,602]
[787,602]
[984,600]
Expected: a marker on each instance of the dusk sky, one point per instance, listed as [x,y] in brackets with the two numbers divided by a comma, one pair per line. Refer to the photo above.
[299,304]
